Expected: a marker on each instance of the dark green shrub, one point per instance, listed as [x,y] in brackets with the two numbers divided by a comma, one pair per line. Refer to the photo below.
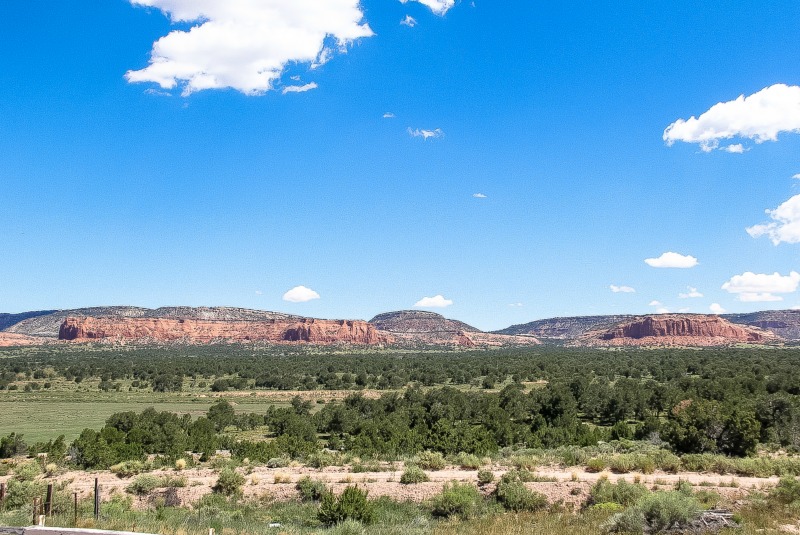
[787,491]
[311,490]
[351,505]
[414,474]
[456,499]
[657,512]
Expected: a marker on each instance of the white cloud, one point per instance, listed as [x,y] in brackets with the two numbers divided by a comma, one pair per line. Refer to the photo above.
[246,44]
[259,292]
[479,195]
[691,293]
[760,287]
[623,289]
[440,7]
[426,134]
[662,310]
[654,303]
[409,21]
[299,88]
[437,301]
[716,308]
[797,176]
[672,260]
[760,117]
[684,310]
[388,115]
[516,305]
[300,294]
[785,225]
[737,148]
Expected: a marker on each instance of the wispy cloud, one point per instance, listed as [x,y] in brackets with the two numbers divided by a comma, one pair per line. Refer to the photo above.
[654,303]
[440,7]
[299,88]
[300,294]
[759,117]
[409,21]
[672,260]
[388,115]
[244,44]
[479,195]
[516,305]
[690,294]
[426,134]
[621,289]
[437,301]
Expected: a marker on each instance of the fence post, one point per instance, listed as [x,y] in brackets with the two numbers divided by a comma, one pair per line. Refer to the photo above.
[96,498]
[75,498]
[2,496]
[48,502]
[35,511]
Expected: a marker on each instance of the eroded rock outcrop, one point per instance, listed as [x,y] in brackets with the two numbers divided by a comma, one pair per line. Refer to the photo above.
[678,329]
[314,331]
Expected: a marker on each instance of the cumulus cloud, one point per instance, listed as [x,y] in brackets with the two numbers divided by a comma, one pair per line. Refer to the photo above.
[516,305]
[662,310]
[691,293]
[654,303]
[760,287]
[300,294]
[797,176]
[246,44]
[425,134]
[388,115]
[621,289]
[760,117]
[672,260]
[437,301]
[479,195]
[737,148]
[409,21]
[716,308]
[440,7]
[259,292]
[785,225]
[299,88]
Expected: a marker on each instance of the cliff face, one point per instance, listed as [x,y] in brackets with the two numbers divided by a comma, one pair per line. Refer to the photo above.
[688,329]
[204,331]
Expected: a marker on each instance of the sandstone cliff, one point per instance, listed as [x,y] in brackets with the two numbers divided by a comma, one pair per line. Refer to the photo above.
[677,329]
[200,331]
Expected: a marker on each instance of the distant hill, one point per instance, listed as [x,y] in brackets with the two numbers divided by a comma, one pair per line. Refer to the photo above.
[418,321]
[563,329]
[9,320]
[783,323]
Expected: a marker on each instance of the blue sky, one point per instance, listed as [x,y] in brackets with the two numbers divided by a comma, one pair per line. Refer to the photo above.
[199,179]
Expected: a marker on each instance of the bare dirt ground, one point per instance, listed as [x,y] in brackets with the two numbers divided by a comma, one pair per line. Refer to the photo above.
[569,486]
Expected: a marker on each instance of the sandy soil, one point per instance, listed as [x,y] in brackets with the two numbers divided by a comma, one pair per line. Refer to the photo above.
[569,486]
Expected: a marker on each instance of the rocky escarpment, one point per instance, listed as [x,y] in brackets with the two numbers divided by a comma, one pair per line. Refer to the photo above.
[200,331]
[47,324]
[783,323]
[566,328]
[677,329]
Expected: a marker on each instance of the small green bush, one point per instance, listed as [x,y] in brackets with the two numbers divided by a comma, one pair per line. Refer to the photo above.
[351,505]
[622,464]
[278,462]
[414,474]
[27,471]
[143,485]
[621,492]
[596,464]
[229,482]
[518,475]
[657,512]
[787,491]
[430,460]
[127,469]
[514,496]
[459,500]
[311,490]
[468,461]
[485,477]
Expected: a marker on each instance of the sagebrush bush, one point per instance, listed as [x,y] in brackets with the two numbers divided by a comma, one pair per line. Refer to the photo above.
[413,474]
[485,477]
[515,496]
[621,492]
[596,464]
[430,460]
[468,461]
[143,485]
[229,482]
[352,504]
[128,468]
[311,490]
[180,464]
[459,500]
[787,491]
